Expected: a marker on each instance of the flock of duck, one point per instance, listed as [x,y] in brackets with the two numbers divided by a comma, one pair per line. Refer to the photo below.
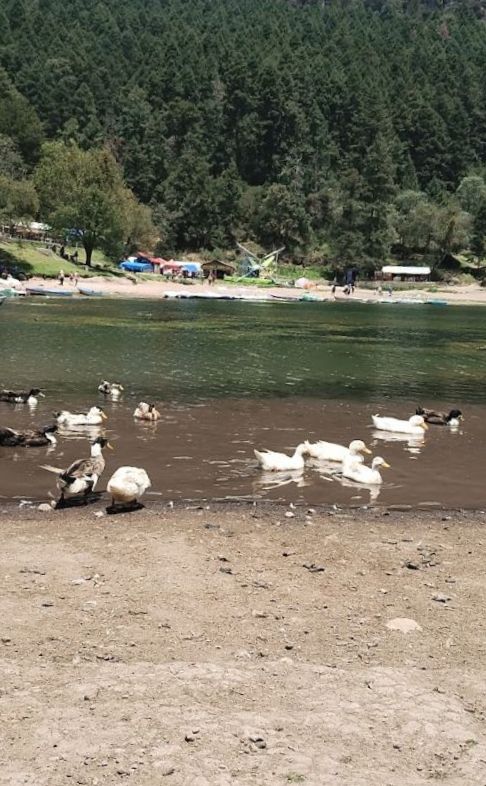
[128,484]
[349,460]
[79,480]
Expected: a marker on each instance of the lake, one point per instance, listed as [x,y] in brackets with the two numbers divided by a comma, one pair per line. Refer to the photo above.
[231,376]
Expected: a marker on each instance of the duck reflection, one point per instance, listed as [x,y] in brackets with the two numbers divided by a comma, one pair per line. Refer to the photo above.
[414,442]
[374,490]
[271,480]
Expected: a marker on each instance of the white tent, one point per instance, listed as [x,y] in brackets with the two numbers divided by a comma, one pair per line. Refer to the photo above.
[405,270]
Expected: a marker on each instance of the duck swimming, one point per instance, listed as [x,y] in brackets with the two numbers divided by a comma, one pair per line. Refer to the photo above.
[93,417]
[330,451]
[146,411]
[82,475]
[453,419]
[366,475]
[112,389]
[280,462]
[33,438]
[414,425]
[126,486]
[29,397]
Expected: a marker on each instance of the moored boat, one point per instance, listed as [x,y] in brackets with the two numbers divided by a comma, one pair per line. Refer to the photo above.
[90,292]
[48,292]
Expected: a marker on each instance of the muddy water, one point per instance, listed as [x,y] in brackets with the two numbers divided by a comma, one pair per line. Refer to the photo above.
[229,377]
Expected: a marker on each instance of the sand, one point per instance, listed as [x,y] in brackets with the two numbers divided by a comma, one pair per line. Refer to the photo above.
[124,287]
[200,647]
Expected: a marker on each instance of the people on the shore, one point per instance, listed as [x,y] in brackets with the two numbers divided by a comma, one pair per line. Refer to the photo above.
[61,277]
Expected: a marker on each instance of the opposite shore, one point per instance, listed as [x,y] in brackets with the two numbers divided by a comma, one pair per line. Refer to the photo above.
[127,288]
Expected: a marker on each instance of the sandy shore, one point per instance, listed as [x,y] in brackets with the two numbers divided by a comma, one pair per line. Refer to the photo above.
[199,647]
[124,287]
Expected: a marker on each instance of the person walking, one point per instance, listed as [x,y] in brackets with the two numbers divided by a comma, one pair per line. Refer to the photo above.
[61,278]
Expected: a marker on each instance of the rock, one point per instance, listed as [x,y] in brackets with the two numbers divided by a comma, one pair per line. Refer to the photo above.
[259,614]
[411,565]
[100,513]
[5,639]
[225,569]
[289,514]
[313,568]
[168,770]
[189,737]
[441,598]
[258,741]
[47,604]
[45,507]
[287,553]
[403,624]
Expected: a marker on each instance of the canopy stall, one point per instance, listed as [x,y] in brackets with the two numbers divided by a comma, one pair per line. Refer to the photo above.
[404,273]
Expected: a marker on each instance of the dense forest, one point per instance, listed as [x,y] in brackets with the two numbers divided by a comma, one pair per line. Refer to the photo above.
[346,131]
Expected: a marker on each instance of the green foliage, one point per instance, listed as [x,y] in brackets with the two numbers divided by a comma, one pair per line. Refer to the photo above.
[84,191]
[291,122]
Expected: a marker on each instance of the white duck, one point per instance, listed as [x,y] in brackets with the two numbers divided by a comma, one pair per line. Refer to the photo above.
[362,474]
[330,451]
[93,417]
[280,462]
[126,486]
[146,411]
[414,425]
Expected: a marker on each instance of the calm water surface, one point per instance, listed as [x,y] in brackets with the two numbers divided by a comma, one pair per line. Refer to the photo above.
[230,376]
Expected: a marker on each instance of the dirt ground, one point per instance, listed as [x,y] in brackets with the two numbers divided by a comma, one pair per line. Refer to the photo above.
[205,647]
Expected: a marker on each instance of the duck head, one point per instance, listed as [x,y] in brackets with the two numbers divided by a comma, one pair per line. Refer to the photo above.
[378,462]
[418,421]
[358,446]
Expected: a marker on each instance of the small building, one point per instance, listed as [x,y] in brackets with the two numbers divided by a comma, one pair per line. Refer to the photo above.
[218,269]
[404,273]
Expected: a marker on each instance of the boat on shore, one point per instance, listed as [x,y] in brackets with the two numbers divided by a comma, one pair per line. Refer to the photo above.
[88,292]
[49,292]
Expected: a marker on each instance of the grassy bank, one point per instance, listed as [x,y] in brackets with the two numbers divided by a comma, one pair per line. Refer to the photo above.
[35,259]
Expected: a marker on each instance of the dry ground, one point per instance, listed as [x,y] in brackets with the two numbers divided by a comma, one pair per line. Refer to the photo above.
[191,647]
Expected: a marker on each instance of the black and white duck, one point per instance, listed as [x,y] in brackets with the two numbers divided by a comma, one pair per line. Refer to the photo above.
[29,397]
[31,438]
[453,418]
[81,477]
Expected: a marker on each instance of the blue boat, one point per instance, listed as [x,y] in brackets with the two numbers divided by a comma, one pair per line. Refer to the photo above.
[49,292]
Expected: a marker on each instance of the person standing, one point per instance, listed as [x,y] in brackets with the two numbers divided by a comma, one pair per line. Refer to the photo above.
[61,278]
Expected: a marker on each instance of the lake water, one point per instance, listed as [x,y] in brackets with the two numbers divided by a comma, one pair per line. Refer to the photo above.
[231,376]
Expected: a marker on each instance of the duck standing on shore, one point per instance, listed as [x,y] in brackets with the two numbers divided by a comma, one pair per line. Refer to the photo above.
[30,397]
[32,438]
[452,419]
[126,486]
[81,477]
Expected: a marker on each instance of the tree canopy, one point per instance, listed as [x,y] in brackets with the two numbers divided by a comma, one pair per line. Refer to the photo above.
[304,123]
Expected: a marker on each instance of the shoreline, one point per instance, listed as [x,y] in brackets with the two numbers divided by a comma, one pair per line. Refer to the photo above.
[218,646]
[125,288]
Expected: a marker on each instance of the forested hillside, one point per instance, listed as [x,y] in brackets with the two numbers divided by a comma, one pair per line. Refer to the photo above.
[342,130]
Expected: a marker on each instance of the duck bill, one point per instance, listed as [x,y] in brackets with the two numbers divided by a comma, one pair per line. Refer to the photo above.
[366,450]
[42,395]
[385,465]
[425,426]
[104,417]
[110,446]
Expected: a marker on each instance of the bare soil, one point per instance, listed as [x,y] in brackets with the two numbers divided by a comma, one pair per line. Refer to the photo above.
[200,647]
